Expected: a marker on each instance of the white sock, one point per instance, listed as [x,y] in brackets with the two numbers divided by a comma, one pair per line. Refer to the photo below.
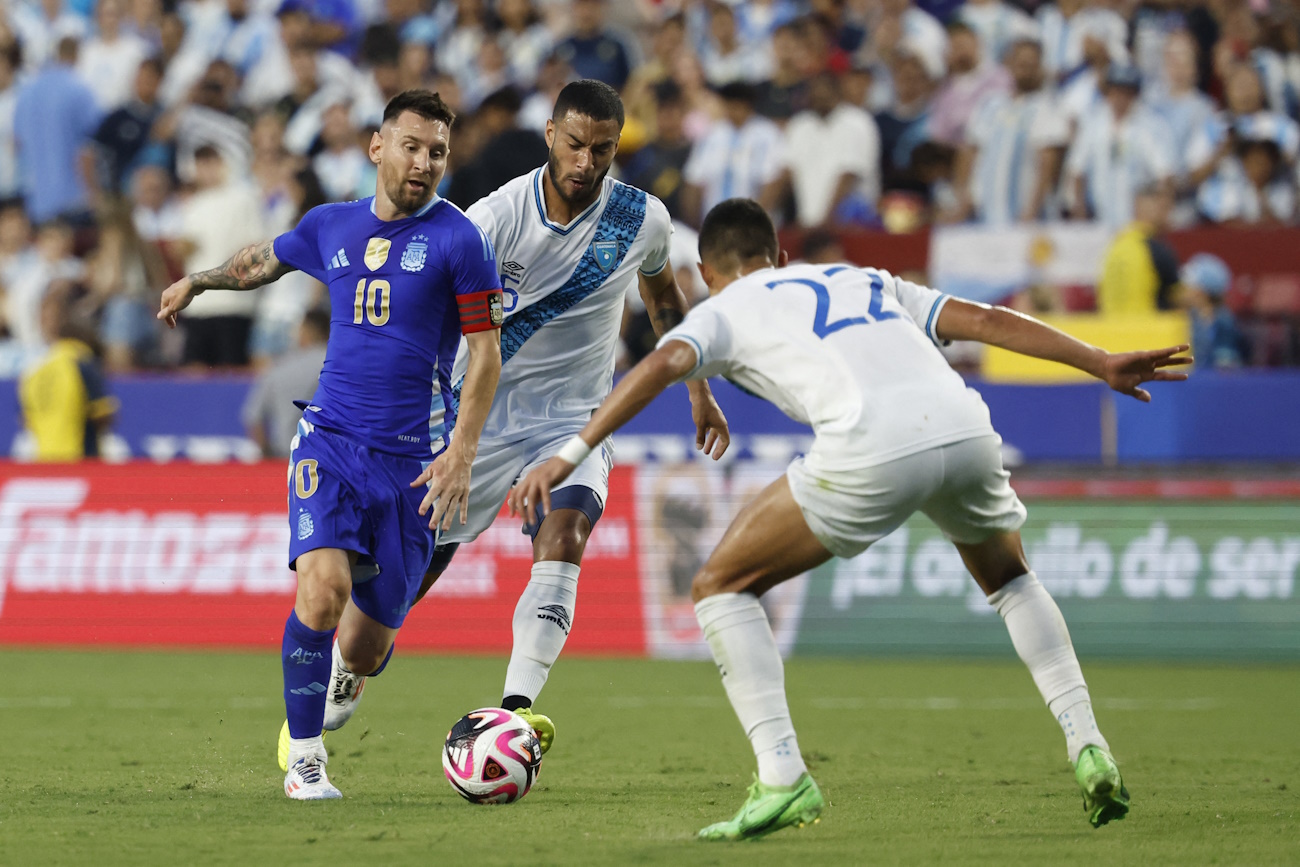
[299,747]
[543,618]
[743,647]
[1042,640]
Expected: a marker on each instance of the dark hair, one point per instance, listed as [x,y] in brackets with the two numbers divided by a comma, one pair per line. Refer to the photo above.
[317,320]
[590,98]
[668,92]
[207,152]
[956,25]
[740,228]
[738,91]
[155,63]
[425,103]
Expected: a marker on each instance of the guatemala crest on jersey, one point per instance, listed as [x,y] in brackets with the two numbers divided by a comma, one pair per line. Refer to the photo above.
[605,253]
[417,250]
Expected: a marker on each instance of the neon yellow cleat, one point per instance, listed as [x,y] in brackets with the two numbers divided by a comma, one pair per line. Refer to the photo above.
[771,808]
[282,748]
[541,724]
[1104,795]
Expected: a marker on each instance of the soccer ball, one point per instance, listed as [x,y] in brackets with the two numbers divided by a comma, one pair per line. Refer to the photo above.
[491,756]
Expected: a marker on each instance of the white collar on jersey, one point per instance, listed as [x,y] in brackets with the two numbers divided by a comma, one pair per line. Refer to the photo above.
[420,213]
[539,199]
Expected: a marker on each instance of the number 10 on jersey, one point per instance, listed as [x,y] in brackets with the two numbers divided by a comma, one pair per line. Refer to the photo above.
[371,304]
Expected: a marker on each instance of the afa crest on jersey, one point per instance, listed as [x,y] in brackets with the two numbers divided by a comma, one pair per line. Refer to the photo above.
[605,253]
[415,254]
[377,253]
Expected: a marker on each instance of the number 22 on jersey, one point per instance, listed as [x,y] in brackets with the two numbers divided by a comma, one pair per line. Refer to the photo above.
[371,303]
[824,328]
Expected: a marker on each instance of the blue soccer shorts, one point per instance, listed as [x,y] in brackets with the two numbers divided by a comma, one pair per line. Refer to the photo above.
[344,495]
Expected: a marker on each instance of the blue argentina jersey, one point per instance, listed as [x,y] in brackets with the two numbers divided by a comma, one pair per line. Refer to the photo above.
[397,290]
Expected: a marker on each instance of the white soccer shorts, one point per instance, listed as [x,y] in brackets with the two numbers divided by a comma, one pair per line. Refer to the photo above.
[499,465]
[961,486]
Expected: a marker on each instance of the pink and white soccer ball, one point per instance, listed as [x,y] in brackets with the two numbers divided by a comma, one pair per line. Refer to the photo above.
[491,756]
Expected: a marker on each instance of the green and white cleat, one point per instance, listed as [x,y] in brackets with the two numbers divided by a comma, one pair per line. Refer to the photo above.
[1104,795]
[771,808]
[282,747]
[541,724]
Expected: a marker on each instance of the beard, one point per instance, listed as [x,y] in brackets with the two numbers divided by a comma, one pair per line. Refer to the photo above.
[587,197]
[405,200]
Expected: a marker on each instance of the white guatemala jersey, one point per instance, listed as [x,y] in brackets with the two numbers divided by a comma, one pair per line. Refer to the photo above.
[850,351]
[563,292]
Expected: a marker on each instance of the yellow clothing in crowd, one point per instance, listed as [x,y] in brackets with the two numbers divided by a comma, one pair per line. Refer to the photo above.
[1139,273]
[63,397]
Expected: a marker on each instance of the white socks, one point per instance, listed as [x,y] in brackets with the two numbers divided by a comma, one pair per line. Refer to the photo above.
[299,747]
[743,647]
[1042,640]
[543,618]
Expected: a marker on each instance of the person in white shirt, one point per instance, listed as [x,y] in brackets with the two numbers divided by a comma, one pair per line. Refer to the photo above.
[832,155]
[1014,146]
[341,163]
[569,240]
[223,216]
[997,24]
[107,61]
[741,155]
[1121,147]
[852,352]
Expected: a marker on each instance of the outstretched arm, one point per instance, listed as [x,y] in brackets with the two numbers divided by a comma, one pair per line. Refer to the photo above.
[448,476]
[998,326]
[658,370]
[667,306]
[254,266]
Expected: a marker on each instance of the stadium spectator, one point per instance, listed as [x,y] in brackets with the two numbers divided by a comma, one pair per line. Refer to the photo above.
[10,178]
[1008,167]
[209,119]
[537,108]
[156,214]
[491,73]
[1064,27]
[124,135]
[904,124]
[108,61]
[592,49]
[284,303]
[1081,90]
[340,163]
[51,269]
[833,158]
[461,41]
[659,167]
[741,155]
[821,247]
[970,81]
[126,273]
[506,153]
[726,57]
[40,26]
[844,32]
[54,117]
[996,23]
[65,402]
[915,26]
[1140,270]
[15,241]
[785,93]
[1217,340]
[1184,109]
[1120,147]
[1256,185]
[222,216]
[524,38]
[269,416]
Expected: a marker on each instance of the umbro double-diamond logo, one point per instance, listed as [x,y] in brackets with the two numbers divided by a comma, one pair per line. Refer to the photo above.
[556,614]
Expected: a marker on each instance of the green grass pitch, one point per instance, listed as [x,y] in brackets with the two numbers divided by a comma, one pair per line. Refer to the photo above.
[169,758]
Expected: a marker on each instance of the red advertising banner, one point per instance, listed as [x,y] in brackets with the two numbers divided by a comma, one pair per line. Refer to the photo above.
[195,555]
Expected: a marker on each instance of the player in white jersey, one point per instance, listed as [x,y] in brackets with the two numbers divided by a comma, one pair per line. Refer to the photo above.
[850,352]
[569,242]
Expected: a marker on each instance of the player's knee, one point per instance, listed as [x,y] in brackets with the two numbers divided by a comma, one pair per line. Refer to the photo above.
[321,598]
[709,582]
[562,538]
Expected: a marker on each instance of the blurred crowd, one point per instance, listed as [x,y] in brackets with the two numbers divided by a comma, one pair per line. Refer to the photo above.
[144,139]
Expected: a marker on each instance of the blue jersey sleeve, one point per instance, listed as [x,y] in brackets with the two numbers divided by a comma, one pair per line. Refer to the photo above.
[473,261]
[300,248]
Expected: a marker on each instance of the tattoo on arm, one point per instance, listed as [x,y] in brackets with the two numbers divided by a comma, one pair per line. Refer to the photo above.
[255,265]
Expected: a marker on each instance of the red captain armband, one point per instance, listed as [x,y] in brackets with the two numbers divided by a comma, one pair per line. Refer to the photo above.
[480,311]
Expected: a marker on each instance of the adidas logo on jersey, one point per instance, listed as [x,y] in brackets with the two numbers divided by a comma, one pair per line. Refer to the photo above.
[340,260]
